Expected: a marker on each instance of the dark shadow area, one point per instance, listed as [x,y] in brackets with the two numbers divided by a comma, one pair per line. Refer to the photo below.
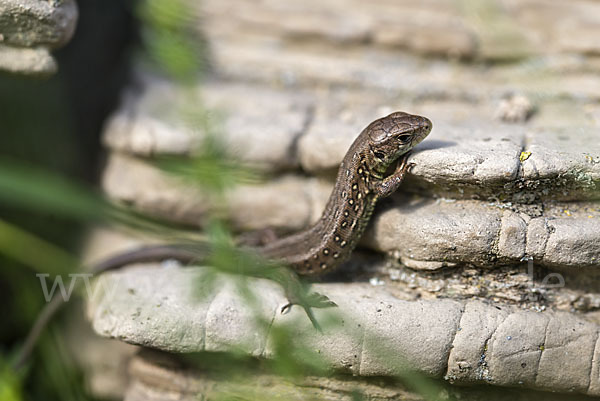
[55,125]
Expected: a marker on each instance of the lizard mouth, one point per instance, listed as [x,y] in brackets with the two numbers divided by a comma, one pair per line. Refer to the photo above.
[421,129]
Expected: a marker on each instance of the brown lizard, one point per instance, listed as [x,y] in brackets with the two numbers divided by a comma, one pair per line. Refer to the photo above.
[361,181]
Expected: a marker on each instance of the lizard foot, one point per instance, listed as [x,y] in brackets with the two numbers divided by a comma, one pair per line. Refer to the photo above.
[313,300]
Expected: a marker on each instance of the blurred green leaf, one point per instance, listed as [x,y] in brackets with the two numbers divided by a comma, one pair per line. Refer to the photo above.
[34,252]
[175,55]
[171,38]
[10,383]
[29,188]
[167,14]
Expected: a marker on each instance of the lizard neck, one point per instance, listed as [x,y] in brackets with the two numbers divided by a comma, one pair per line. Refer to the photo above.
[330,241]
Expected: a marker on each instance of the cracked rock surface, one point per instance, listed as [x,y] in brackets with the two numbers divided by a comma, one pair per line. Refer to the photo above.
[372,333]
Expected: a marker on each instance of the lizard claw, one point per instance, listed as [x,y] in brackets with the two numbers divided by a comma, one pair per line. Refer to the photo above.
[313,300]
[404,165]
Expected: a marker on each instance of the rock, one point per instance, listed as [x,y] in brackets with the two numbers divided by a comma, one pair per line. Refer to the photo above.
[511,164]
[422,233]
[33,23]
[35,62]
[568,160]
[427,234]
[371,333]
[137,183]
[277,129]
[453,232]
[258,125]
[104,362]
[29,29]
[470,159]
[438,34]
[265,53]
[514,109]
[288,203]
[459,158]
[485,30]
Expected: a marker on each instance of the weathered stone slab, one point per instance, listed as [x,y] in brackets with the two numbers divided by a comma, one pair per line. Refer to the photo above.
[157,376]
[485,30]
[141,185]
[428,234]
[251,59]
[476,159]
[288,203]
[467,361]
[564,163]
[371,333]
[278,129]
[256,124]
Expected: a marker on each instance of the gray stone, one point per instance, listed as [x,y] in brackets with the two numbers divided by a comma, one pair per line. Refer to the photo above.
[565,163]
[570,342]
[372,333]
[427,234]
[143,186]
[288,203]
[473,160]
[276,129]
[104,362]
[35,62]
[256,124]
[467,361]
[440,32]
[321,64]
[509,163]
[512,241]
[514,349]
[573,242]
[484,30]
[30,23]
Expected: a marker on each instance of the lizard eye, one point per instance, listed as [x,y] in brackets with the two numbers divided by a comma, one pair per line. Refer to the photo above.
[405,138]
[379,155]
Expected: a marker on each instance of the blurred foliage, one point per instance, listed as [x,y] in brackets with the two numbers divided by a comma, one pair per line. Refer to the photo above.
[171,38]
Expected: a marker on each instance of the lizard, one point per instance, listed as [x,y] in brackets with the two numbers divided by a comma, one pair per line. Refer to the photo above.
[362,180]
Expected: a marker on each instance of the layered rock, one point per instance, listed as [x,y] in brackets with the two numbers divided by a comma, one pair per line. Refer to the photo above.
[486,263]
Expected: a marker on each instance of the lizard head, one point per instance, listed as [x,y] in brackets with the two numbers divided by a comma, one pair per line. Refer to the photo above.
[392,136]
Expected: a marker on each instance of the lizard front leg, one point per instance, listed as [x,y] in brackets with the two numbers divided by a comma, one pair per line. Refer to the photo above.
[391,183]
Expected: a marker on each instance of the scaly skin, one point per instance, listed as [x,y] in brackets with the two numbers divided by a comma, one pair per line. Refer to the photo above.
[360,183]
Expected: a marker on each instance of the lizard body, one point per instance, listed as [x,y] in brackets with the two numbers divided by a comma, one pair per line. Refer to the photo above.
[362,180]
[360,183]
